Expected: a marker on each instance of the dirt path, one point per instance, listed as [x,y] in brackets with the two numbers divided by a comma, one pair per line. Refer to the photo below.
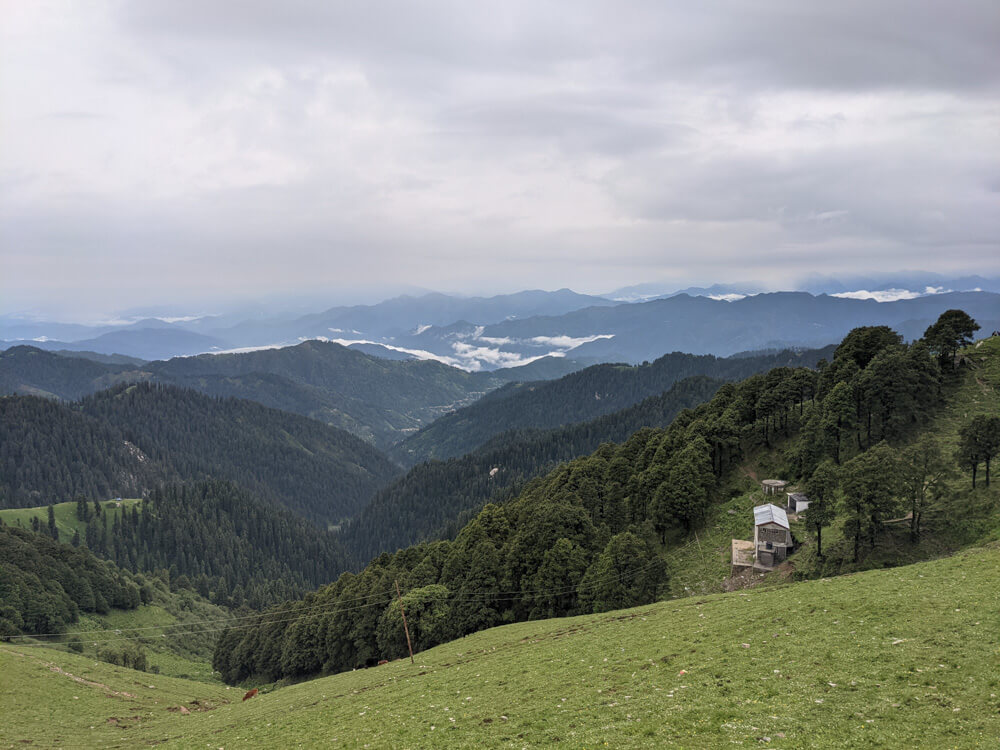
[111,693]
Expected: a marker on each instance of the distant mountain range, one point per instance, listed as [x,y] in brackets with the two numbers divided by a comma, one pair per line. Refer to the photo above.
[385,399]
[700,325]
[906,283]
[489,333]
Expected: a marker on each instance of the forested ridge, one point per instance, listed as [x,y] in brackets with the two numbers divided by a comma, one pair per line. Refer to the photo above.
[380,397]
[45,585]
[127,439]
[229,545]
[578,397]
[50,452]
[376,399]
[434,500]
[589,536]
[27,370]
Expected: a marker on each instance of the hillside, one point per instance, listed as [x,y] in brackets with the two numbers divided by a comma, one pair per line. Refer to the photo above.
[379,400]
[47,588]
[868,660]
[387,397]
[125,440]
[578,397]
[66,515]
[852,433]
[27,370]
[229,545]
[434,500]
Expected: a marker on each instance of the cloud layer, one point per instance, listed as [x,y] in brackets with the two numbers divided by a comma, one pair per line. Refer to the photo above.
[174,149]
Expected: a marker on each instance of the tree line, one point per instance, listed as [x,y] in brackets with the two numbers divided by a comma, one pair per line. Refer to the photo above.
[45,585]
[219,540]
[874,392]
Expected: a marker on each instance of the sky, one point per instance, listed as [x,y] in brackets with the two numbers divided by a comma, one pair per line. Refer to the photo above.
[196,151]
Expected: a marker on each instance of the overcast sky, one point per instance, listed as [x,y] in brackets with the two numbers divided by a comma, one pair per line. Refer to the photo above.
[172,149]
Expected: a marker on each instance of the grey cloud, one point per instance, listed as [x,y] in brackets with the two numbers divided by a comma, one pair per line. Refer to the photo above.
[611,125]
[853,44]
[183,146]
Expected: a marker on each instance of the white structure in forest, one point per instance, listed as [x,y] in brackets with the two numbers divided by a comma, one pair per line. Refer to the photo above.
[772,537]
[772,541]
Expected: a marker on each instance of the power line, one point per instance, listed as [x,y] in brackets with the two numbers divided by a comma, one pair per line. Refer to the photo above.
[194,622]
[329,608]
[197,632]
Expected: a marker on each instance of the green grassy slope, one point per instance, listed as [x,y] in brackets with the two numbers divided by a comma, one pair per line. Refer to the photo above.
[890,658]
[189,656]
[66,520]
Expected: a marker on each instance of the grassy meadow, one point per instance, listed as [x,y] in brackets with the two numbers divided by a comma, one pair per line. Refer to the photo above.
[905,657]
[66,521]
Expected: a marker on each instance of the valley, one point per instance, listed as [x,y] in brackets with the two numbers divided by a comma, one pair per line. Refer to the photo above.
[387,376]
[604,532]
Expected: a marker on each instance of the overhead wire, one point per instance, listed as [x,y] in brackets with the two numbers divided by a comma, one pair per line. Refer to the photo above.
[196,622]
[264,619]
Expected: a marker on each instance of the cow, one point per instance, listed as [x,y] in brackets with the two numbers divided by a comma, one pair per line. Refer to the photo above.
[250,695]
[382,661]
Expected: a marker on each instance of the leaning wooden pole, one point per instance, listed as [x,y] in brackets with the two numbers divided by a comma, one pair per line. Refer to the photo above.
[406,628]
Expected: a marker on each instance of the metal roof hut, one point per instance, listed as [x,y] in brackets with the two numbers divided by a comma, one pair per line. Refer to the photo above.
[772,537]
[773,486]
[797,502]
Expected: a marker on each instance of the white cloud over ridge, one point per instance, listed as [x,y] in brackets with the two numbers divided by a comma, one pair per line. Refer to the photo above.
[568,342]
[470,354]
[889,295]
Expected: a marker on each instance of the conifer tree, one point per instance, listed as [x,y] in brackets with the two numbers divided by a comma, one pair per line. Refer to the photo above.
[953,330]
[821,489]
[53,529]
[924,474]
[870,483]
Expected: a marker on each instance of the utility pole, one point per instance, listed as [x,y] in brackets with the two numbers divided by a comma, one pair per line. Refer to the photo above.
[406,628]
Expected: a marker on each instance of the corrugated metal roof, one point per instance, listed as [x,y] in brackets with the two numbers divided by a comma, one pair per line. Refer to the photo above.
[770,514]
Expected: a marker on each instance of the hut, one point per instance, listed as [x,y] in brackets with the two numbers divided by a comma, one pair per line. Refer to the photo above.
[773,486]
[772,536]
[797,502]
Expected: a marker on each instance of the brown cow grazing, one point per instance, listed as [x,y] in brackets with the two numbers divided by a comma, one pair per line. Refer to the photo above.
[250,695]
[382,661]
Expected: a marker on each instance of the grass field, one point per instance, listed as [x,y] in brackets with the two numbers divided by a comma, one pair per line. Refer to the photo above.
[66,520]
[905,657]
[190,657]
